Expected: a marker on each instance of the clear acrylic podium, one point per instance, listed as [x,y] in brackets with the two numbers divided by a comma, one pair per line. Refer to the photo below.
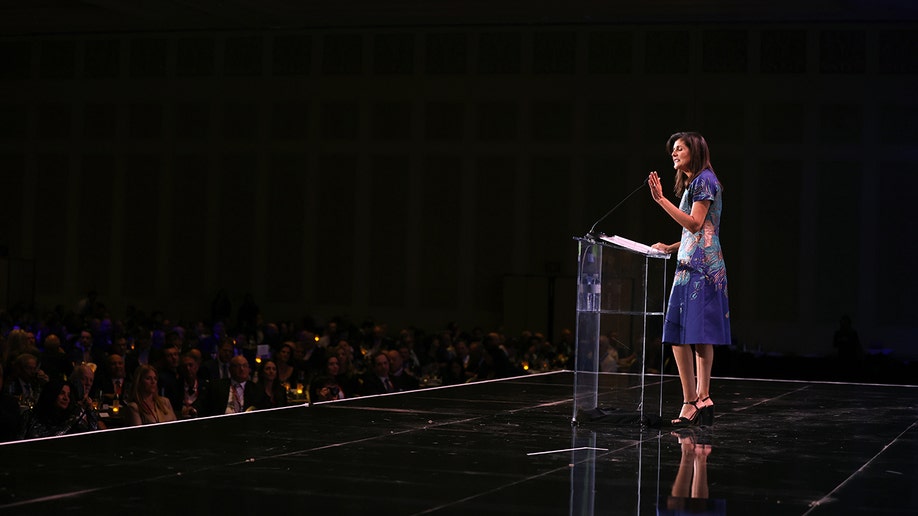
[621,288]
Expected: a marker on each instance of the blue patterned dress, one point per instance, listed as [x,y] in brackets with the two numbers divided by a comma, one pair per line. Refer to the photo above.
[698,311]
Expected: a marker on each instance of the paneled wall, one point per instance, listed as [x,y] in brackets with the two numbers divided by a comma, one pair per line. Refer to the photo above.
[405,174]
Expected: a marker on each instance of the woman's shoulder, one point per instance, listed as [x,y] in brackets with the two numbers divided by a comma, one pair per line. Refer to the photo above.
[706,175]
[705,182]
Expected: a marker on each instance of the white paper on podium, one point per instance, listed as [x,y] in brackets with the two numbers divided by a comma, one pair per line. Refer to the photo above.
[631,244]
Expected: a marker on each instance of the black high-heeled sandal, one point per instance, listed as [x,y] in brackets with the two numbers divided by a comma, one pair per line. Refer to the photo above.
[682,421]
[707,414]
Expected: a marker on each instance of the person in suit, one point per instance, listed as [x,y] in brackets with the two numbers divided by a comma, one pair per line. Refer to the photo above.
[140,353]
[84,352]
[112,381]
[194,388]
[27,379]
[170,379]
[400,376]
[377,380]
[220,366]
[54,360]
[236,393]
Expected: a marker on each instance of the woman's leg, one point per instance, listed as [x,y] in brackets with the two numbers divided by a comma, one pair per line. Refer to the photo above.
[704,355]
[685,362]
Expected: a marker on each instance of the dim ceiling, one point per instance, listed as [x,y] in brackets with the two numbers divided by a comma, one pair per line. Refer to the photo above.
[21,17]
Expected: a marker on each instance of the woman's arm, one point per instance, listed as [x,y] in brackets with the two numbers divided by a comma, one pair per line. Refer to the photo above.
[132,414]
[690,221]
[667,248]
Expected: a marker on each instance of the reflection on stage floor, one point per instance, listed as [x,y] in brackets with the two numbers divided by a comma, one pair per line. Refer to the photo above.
[502,447]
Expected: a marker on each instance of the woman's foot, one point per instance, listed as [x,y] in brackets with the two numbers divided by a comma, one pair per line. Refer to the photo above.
[689,415]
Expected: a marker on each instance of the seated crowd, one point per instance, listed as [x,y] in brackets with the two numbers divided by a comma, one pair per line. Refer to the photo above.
[75,373]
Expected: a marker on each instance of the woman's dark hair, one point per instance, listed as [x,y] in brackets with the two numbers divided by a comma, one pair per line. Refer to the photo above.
[277,388]
[700,158]
[46,409]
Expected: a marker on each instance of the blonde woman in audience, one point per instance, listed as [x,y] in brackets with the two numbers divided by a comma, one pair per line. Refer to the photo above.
[146,405]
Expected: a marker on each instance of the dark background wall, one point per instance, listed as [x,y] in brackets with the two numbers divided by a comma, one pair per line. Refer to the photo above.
[424,173]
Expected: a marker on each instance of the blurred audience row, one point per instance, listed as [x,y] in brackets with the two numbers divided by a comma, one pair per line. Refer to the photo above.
[84,371]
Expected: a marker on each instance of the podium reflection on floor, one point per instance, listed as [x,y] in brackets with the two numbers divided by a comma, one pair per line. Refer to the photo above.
[688,491]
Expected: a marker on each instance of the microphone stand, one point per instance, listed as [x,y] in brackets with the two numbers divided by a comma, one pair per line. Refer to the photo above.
[591,234]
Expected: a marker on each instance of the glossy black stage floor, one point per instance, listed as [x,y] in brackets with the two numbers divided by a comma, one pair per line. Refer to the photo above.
[504,447]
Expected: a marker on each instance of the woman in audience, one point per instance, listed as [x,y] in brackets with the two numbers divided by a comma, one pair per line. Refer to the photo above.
[275,393]
[146,405]
[283,360]
[326,386]
[55,413]
[453,372]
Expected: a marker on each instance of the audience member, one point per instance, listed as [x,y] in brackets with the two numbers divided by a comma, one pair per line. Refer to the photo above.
[461,351]
[27,379]
[329,335]
[376,341]
[119,347]
[210,343]
[312,358]
[55,413]
[81,382]
[10,415]
[112,382]
[54,361]
[146,405]
[234,394]
[17,343]
[437,354]
[453,373]
[274,392]
[140,353]
[348,376]
[327,386]
[219,367]
[377,380]
[194,388]
[401,378]
[198,357]
[84,351]
[169,377]
[85,376]
[287,373]
[410,360]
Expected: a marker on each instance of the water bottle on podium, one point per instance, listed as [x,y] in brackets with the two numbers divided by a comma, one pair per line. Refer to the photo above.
[591,288]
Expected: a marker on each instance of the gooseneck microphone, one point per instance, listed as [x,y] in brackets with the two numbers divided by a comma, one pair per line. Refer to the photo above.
[593,227]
